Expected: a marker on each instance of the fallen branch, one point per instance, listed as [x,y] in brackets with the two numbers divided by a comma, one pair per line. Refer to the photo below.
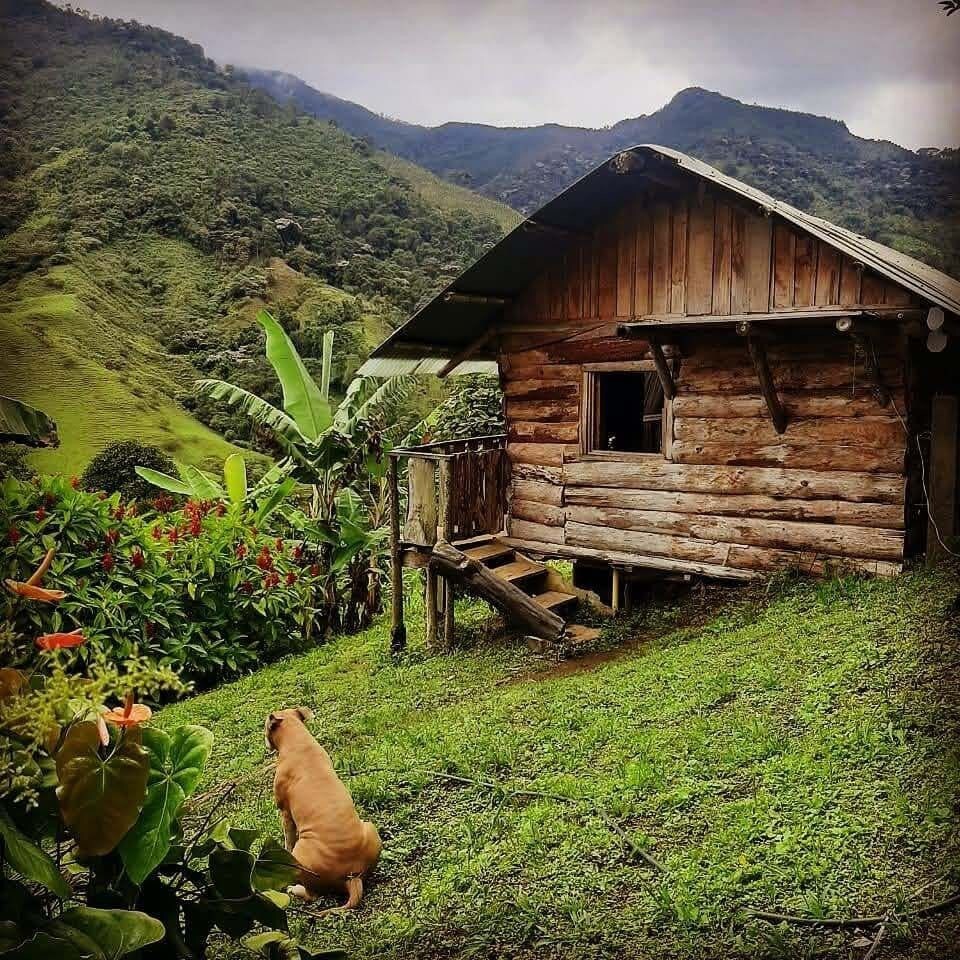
[875,946]
[849,923]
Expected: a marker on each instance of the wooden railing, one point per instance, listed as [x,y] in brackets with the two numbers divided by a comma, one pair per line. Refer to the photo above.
[456,489]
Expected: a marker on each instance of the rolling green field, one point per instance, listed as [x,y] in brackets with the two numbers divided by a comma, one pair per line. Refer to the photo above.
[789,748]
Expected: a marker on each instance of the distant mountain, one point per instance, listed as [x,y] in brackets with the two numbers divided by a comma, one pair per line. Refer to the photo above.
[909,199]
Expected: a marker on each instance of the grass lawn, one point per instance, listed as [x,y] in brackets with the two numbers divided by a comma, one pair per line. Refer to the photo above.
[791,750]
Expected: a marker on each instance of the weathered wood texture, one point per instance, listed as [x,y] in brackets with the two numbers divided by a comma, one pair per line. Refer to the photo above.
[732,494]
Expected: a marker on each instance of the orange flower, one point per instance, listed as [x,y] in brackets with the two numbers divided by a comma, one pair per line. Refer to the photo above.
[29,592]
[59,641]
[102,731]
[131,715]
[37,574]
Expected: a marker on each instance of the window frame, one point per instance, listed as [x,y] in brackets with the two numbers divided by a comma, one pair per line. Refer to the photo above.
[588,412]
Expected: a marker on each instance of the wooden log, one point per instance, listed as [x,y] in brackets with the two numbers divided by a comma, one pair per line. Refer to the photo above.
[467,352]
[663,369]
[543,411]
[615,590]
[537,472]
[882,515]
[398,631]
[829,538]
[768,389]
[798,405]
[445,527]
[524,431]
[534,531]
[430,607]
[543,454]
[537,512]
[941,521]
[655,474]
[553,391]
[876,431]
[536,369]
[509,599]
[804,456]
[537,491]
[421,523]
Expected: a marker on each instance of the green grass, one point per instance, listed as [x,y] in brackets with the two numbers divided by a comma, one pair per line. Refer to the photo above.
[797,752]
[77,345]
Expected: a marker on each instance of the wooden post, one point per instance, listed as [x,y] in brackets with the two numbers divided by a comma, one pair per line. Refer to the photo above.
[615,591]
[768,389]
[430,607]
[945,422]
[398,632]
[445,527]
[662,368]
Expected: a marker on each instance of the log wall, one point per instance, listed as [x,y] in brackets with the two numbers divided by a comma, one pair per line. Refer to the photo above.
[733,494]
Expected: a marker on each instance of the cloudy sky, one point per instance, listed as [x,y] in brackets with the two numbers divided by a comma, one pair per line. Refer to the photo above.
[889,68]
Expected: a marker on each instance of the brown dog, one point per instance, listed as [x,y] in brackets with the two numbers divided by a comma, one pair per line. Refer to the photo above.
[334,847]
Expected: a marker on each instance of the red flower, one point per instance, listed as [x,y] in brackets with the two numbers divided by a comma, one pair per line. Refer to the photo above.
[196,527]
[61,641]
[264,560]
[120,512]
[279,545]
[163,503]
[13,535]
[49,499]
[315,570]
[246,587]
[173,535]
[132,510]
[298,552]
[111,537]
[137,558]
[75,482]
[221,509]
[149,628]
[131,715]
[107,562]
[241,551]
[156,533]
[291,578]
[271,580]
[41,514]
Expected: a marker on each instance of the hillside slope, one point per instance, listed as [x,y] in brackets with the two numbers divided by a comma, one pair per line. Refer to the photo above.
[145,198]
[910,200]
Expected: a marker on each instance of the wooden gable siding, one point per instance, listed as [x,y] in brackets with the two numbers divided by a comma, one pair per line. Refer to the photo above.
[734,493]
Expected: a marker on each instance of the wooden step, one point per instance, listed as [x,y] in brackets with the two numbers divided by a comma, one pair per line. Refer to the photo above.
[490,553]
[518,570]
[553,599]
[579,635]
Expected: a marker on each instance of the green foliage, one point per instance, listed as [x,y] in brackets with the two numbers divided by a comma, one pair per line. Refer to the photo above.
[474,408]
[114,469]
[21,423]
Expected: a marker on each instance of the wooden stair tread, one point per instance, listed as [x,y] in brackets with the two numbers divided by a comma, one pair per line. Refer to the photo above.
[489,551]
[518,570]
[577,633]
[554,598]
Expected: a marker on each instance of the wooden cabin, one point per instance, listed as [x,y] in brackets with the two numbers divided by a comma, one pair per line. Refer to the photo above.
[698,378]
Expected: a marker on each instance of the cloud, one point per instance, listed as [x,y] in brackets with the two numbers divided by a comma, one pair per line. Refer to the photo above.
[889,68]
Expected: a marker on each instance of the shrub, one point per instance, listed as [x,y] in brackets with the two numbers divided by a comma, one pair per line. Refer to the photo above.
[113,469]
[473,409]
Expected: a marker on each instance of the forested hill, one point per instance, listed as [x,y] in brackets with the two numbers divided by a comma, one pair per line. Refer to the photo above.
[151,201]
[910,200]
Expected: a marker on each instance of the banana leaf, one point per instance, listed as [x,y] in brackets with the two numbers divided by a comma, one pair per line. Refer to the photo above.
[21,423]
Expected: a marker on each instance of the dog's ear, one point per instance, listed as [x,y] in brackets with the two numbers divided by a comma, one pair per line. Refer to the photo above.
[305,713]
[274,721]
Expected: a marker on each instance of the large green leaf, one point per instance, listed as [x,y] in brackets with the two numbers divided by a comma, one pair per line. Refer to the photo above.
[326,365]
[203,485]
[274,868]
[235,477]
[176,765]
[41,946]
[106,934]
[302,398]
[21,423]
[164,481]
[100,799]
[253,406]
[28,859]
[275,945]
[273,500]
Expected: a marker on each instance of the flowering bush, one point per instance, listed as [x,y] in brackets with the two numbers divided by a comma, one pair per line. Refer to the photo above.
[198,589]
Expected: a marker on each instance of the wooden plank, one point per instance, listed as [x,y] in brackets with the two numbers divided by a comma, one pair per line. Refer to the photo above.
[607,271]
[544,454]
[543,411]
[842,431]
[700,258]
[850,276]
[803,456]
[467,352]
[828,276]
[872,289]
[526,431]
[662,247]
[798,404]
[573,309]
[805,276]
[398,631]
[643,265]
[518,366]
[537,390]
[448,495]
[722,259]
[536,472]
[626,252]
[831,538]
[537,512]
[538,491]
[941,522]
[420,526]
[678,258]
[768,389]
[759,261]
[784,265]
[884,515]
[652,473]
[895,295]
[535,531]
[792,375]
[739,302]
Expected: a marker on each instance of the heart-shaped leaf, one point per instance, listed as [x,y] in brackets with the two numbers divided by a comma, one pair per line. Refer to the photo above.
[274,869]
[41,946]
[106,934]
[100,799]
[29,860]
[176,765]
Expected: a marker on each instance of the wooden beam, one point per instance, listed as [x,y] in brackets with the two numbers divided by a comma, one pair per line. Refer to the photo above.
[467,352]
[768,389]
[945,424]
[531,224]
[662,368]
[615,591]
[398,632]
[445,526]
[482,299]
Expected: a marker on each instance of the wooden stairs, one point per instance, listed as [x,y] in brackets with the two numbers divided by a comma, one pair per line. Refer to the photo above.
[524,576]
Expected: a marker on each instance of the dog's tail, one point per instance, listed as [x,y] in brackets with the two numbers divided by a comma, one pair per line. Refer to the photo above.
[354,885]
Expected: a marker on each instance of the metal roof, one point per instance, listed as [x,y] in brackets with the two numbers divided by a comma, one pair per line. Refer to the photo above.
[446,324]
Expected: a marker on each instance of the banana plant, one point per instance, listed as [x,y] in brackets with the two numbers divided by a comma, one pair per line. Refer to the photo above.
[21,423]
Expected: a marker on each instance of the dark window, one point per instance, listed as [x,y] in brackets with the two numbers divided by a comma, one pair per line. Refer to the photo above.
[629,412]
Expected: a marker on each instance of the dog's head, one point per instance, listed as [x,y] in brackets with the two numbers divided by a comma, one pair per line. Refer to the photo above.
[277,720]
